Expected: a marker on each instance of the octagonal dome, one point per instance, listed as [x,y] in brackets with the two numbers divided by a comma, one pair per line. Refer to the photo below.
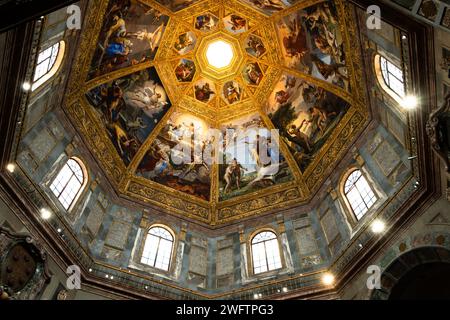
[223,77]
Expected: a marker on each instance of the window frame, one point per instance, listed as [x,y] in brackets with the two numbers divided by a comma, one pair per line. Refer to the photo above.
[250,252]
[80,190]
[383,82]
[172,253]
[51,70]
[348,206]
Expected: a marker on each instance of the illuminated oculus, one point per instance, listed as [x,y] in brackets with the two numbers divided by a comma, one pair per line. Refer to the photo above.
[219,54]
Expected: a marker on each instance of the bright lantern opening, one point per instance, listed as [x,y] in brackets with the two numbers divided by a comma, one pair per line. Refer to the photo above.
[219,54]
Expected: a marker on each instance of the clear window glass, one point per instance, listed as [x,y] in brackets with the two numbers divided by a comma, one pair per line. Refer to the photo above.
[393,77]
[158,248]
[46,61]
[265,252]
[68,183]
[359,194]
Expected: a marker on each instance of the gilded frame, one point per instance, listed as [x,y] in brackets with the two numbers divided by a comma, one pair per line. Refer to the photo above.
[215,213]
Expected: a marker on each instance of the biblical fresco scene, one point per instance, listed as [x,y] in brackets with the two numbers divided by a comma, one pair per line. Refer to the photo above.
[207,22]
[254,46]
[177,5]
[312,43]
[235,24]
[269,7]
[231,92]
[130,35]
[130,108]
[185,43]
[305,115]
[250,158]
[204,90]
[252,74]
[176,157]
[185,70]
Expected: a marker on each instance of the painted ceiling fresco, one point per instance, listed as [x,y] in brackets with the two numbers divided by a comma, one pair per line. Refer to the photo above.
[153,90]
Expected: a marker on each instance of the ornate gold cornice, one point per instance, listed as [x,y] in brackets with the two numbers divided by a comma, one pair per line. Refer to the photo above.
[216,112]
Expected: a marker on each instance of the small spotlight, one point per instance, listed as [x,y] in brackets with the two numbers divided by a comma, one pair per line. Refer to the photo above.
[328,279]
[404,37]
[26,86]
[59,230]
[11,167]
[412,157]
[46,214]
[409,102]
[378,226]
[90,269]
[107,276]
[255,296]
[285,289]
[279,291]
[112,277]
[260,295]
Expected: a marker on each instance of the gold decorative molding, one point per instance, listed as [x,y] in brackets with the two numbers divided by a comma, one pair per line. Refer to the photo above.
[216,112]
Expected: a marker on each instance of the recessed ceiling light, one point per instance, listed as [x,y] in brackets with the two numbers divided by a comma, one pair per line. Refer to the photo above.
[285,289]
[11,167]
[255,296]
[219,54]
[378,226]
[328,279]
[46,214]
[26,86]
[409,102]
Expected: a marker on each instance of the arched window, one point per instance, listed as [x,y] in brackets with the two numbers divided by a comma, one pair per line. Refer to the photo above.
[265,252]
[390,77]
[158,248]
[48,63]
[69,182]
[359,194]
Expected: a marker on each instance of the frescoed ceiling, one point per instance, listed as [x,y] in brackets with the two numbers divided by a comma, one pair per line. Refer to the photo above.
[151,73]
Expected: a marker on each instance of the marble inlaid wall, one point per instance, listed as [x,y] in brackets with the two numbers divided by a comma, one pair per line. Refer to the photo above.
[198,262]
[386,160]
[50,94]
[114,233]
[306,242]
[41,147]
[225,263]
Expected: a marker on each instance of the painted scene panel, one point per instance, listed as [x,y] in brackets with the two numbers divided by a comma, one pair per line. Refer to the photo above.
[130,35]
[175,159]
[312,43]
[305,116]
[270,7]
[250,158]
[130,108]
[177,5]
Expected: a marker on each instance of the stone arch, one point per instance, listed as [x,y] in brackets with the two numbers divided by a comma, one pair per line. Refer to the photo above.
[406,262]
